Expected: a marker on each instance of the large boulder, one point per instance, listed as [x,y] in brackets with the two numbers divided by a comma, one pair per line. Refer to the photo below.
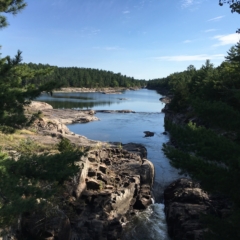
[185,204]
[149,134]
[111,187]
[120,185]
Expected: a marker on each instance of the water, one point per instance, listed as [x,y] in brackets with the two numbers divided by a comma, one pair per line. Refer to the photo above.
[124,128]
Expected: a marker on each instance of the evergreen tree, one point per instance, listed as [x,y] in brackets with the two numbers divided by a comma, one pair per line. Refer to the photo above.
[234,5]
[10,6]
[15,92]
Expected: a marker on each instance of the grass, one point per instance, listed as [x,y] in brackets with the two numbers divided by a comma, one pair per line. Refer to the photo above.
[22,142]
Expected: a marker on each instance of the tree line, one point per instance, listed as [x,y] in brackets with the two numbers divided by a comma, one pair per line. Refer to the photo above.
[83,77]
[207,144]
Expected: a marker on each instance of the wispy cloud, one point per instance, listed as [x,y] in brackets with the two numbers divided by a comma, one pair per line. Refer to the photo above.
[108,48]
[191,4]
[210,30]
[187,3]
[126,12]
[182,58]
[187,41]
[95,31]
[111,48]
[89,32]
[226,39]
[215,19]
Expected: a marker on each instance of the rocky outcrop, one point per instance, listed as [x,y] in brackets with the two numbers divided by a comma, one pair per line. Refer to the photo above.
[166,99]
[52,122]
[116,111]
[36,105]
[149,134]
[112,186]
[102,90]
[69,116]
[185,204]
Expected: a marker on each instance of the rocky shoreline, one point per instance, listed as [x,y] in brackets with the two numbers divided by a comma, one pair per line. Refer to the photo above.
[186,203]
[108,90]
[114,182]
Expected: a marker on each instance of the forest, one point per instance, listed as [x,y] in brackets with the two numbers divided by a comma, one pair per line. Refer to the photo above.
[82,77]
[206,145]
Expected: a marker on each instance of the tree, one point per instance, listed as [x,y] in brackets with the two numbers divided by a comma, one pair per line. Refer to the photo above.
[234,54]
[35,180]
[234,5]
[10,6]
[14,92]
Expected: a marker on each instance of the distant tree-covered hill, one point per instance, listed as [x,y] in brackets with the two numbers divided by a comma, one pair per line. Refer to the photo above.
[84,77]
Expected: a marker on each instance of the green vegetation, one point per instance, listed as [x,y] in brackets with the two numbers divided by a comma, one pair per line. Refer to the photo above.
[83,77]
[234,5]
[207,141]
[33,183]
[33,176]
[10,6]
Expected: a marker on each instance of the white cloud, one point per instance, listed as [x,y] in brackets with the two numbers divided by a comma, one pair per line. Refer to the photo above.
[227,39]
[215,19]
[192,4]
[210,30]
[182,58]
[187,3]
[187,41]
[126,12]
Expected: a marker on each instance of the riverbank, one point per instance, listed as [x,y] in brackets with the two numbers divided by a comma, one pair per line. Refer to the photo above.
[190,209]
[113,184]
[108,90]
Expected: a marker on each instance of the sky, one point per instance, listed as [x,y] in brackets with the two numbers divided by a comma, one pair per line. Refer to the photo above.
[144,39]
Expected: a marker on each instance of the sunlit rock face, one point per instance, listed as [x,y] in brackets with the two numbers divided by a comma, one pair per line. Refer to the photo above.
[113,184]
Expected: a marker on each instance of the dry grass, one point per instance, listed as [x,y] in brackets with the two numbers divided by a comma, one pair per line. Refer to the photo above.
[22,142]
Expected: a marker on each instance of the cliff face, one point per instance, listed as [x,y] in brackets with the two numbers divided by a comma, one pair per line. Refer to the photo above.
[112,186]
[114,182]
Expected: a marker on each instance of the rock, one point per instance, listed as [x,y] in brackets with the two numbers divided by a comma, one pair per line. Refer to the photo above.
[113,184]
[165,99]
[135,148]
[97,201]
[185,203]
[39,106]
[149,134]
[103,90]
[115,190]
[69,116]
[91,112]
[115,111]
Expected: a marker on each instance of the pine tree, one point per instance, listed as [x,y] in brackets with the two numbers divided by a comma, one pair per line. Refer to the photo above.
[14,92]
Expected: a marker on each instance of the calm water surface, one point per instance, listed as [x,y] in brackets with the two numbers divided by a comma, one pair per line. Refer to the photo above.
[124,128]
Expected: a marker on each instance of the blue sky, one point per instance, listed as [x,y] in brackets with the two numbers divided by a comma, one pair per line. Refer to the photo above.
[145,39]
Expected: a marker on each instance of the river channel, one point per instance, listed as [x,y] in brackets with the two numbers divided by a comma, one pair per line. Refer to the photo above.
[125,128]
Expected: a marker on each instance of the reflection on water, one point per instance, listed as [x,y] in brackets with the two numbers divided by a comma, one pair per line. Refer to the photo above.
[62,103]
[73,97]
[140,101]
[129,127]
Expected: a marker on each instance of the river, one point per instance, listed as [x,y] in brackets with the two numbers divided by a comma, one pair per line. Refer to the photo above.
[124,128]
